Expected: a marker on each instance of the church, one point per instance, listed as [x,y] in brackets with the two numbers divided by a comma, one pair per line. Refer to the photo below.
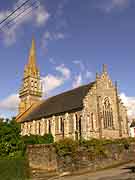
[94,110]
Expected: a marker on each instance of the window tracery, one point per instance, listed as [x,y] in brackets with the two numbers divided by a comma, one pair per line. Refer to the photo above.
[107,114]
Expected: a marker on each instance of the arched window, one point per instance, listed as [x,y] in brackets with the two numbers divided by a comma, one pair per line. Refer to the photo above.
[62,126]
[107,114]
[76,121]
[76,128]
[80,126]
[39,127]
[92,121]
[71,123]
[57,125]
[49,126]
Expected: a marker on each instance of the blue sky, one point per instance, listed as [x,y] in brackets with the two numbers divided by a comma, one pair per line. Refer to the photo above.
[73,39]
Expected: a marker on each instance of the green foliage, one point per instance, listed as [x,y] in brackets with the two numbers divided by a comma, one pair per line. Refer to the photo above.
[89,143]
[99,142]
[12,144]
[94,146]
[66,147]
[10,140]
[14,169]
[36,139]
[12,150]
[123,142]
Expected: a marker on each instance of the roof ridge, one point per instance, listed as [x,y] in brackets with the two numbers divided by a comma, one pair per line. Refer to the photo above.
[69,90]
[64,102]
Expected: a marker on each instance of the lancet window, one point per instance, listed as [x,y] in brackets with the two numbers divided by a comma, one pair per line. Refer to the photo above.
[107,114]
[49,126]
[62,126]
[92,121]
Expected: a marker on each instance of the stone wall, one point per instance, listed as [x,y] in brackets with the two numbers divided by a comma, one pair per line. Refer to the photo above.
[44,157]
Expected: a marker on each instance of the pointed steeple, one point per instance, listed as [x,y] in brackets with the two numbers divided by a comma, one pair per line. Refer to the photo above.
[31,90]
[104,68]
[32,55]
[31,68]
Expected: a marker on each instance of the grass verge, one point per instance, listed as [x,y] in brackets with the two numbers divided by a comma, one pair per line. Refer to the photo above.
[14,169]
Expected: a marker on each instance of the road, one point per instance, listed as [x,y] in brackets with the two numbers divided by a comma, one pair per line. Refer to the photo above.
[119,173]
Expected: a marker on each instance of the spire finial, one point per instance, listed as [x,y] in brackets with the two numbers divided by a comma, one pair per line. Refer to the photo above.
[104,68]
[97,75]
[116,85]
[33,46]
[32,55]
[31,67]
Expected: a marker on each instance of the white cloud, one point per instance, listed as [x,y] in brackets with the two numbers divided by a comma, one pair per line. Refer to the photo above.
[41,16]
[10,103]
[109,5]
[77,81]
[130,104]
[47,36]
[61,7]
[37,15]
[86,74]
[59,36]
[51,36]
[3,14]
[9,36]
[51,82]
[120,3]
[64,71]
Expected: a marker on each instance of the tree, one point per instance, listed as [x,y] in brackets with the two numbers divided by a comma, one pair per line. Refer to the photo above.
[10,139]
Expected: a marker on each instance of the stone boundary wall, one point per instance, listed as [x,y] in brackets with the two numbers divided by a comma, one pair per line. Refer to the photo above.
[44,157]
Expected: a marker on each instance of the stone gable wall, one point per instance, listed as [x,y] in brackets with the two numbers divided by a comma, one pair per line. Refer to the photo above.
[93,104]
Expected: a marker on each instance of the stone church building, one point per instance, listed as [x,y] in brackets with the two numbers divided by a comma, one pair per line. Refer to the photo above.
[94,110]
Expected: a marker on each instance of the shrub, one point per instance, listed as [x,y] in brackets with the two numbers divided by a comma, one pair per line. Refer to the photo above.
[66,147]
[124,142]
[94,146]
[12,144]
[10,139]
[36,139]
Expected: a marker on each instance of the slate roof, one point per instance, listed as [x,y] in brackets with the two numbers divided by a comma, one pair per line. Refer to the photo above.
[65,102]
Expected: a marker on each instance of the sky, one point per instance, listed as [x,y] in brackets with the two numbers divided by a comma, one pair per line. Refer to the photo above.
[73,39]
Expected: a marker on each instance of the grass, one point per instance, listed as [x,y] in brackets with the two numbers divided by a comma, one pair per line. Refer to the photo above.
[13,169]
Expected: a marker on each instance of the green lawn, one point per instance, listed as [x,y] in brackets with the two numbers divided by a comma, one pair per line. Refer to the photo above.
[13,169]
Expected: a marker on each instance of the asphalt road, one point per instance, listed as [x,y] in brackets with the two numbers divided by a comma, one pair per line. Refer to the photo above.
[119,173]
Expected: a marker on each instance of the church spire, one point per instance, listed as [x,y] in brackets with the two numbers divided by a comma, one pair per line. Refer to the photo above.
[31,68]
[104,68]
[31,89]
[32,55]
